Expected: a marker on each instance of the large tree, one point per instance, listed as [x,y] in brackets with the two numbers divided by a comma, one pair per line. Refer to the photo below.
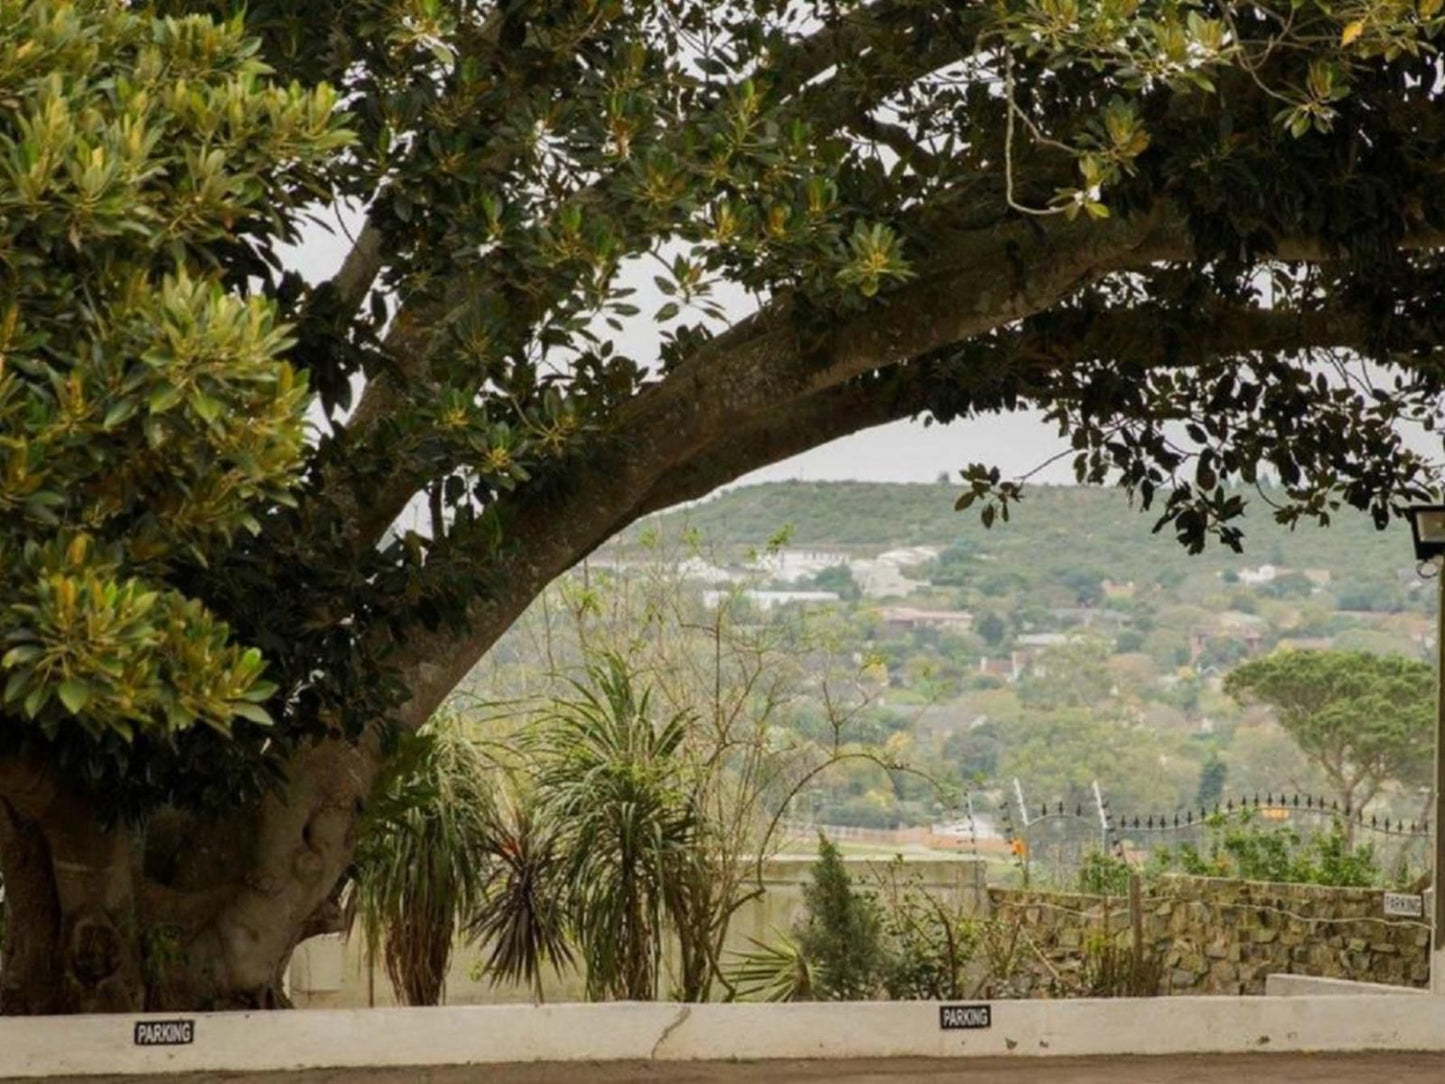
[1202,236]
[1366,720]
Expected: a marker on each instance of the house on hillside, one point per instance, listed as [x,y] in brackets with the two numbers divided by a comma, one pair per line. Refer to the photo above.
[883,576]
[907,619]
[1089,616]
[1007,667]
[881,581]
[792,565]
[1247,629]
[1253,577]
[766,600]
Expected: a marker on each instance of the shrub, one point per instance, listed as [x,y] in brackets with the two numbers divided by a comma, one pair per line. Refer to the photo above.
[1101,874]
[841,936]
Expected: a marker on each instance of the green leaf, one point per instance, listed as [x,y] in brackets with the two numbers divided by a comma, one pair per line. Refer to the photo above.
[163,398]
[262,691]
[19,656]
[118,413]
[255,712]
[74,694]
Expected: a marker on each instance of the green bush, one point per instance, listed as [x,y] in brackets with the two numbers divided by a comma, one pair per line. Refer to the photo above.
[1101,874]
[1249,851]
[841,936]
[927,943]
[898,941]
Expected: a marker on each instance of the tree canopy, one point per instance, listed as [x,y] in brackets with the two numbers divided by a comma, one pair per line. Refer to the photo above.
[1365,719]
[1201,236]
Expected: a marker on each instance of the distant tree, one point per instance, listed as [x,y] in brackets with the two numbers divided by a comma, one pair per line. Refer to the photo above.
[1373,595]
[1072,674]
[1129,641]
[1087,584]
[992,628]
[1222,652]
[957,565]
[1290,585]
[1364,719]
[1212,774]
[1169,577]
[974,751]
[1058,754]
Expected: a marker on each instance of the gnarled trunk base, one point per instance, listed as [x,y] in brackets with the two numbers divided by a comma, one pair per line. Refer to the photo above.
[30,942]
[179,913]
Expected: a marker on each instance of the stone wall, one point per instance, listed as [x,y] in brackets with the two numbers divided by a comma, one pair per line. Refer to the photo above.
[1212,936]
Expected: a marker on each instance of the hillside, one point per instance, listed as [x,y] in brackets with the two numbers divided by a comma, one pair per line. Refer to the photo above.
[1053,525]
[1068,646]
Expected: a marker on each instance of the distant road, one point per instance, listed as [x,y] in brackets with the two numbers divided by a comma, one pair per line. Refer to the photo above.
[1242,1069]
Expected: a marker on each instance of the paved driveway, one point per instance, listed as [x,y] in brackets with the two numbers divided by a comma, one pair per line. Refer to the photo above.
[1243,1069]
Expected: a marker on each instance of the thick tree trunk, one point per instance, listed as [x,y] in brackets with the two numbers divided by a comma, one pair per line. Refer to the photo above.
[176,913]
[71,942]
[30,942]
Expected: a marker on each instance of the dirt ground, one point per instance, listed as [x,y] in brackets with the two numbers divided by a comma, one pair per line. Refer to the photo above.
[1244,1069]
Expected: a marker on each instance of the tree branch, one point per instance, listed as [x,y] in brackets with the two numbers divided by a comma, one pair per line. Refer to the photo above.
[417,331]
[624,481]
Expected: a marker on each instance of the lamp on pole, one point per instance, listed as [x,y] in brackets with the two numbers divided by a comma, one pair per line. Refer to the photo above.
[1427,526]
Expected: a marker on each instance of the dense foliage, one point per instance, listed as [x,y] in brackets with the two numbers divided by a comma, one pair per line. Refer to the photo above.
[1252,851]
[841,934]
[148,414]
[1364,719]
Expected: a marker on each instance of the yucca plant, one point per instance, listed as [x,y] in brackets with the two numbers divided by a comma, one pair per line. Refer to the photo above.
[777,971]
[612,780]
[523,916]
[425,857]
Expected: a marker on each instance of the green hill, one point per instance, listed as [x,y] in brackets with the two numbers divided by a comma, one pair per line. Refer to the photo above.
[1053,525]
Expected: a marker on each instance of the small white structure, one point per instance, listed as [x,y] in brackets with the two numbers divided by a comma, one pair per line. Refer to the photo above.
[766,600]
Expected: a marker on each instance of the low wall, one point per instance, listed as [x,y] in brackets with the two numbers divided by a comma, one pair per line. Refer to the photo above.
[257,1042]
[329,973]
[1310,986]
[1214,936]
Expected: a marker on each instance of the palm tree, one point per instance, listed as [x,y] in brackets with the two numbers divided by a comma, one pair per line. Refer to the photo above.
[425,857]
[612,781]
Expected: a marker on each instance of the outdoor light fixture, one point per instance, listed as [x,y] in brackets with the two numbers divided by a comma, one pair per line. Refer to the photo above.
[1427,524]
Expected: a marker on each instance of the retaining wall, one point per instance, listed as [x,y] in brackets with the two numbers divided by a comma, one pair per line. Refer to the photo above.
[1214,936]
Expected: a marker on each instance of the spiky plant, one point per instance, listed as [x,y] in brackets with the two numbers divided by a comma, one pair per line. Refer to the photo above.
[523,917]
[425,857]
[776,971]
[611,778]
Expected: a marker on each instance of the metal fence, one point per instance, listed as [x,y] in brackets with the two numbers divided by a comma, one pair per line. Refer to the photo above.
[1051,842]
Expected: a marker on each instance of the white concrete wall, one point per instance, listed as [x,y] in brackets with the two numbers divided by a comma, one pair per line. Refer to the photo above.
[560,1033]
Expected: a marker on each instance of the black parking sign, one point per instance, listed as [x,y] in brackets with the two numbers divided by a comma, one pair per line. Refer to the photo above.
[956,1017]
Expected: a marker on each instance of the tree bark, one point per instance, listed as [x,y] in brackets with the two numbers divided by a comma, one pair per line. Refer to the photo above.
[176,912]
[30,942]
